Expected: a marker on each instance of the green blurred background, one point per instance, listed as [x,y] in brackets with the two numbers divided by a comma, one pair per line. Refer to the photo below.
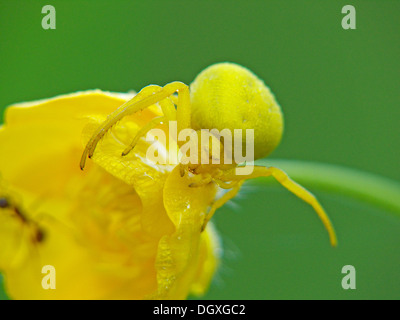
[339,90]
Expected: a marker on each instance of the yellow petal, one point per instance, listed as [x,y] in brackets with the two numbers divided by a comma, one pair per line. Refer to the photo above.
[178,253]
[209,254]
[135,169]
[125,228]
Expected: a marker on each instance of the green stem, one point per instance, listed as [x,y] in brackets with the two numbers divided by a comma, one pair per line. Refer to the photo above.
[370,188]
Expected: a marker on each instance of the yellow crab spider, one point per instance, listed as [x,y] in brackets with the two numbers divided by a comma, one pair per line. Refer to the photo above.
[224,95]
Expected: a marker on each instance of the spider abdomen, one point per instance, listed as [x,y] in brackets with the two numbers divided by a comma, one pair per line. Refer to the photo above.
[229,96]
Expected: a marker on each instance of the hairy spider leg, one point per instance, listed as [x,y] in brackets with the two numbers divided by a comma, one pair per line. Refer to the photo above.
[200,180]
[220,202]
[225,185]
[293,187]
[169,112]
[150,125]
[101,131]
[145,98]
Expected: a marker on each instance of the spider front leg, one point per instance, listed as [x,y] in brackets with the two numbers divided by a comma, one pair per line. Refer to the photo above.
[145,98]
[113,118]
[169,112]
[150,125]
[293,187]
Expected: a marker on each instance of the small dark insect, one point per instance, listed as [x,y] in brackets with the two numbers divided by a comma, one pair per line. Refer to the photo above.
[4,203]
[37,233]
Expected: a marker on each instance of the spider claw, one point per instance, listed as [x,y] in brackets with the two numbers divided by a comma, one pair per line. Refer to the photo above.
[83,159]
[128,150]
[91,152]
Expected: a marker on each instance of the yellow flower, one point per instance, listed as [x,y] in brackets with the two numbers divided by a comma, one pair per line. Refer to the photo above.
[125,228]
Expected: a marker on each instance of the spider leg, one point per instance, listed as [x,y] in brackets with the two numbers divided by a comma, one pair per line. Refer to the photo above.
[293,187]
[150,125]
[169,112]
[226,185]
[145,98]
[168,108]
[122,111]
[220,202]
[174,99]
[200,180]
[182,169]
[183,108]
